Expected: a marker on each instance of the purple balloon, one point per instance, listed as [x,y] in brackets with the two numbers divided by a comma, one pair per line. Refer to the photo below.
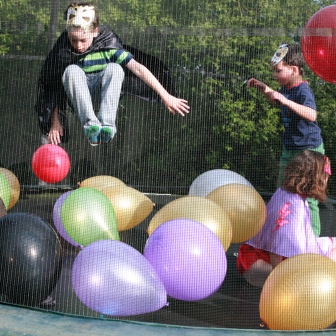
[113,278]
[188,257]
[57,219]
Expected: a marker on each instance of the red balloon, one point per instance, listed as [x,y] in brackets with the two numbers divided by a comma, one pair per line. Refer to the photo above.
[51,163]
[319,43]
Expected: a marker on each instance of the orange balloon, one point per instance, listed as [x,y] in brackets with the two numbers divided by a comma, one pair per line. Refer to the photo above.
[131,206]
[300,294]
[14,186]
[100,182]
[199,209]
[245,208]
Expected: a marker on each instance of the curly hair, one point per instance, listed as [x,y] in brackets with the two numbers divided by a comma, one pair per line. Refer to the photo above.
[295,57]
[306,174]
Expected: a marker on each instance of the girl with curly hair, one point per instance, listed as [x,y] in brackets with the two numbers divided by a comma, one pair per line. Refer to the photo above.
[288,227]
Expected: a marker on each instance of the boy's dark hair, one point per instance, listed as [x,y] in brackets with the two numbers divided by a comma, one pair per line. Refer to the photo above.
[306,175]
[95,22]
[295,57]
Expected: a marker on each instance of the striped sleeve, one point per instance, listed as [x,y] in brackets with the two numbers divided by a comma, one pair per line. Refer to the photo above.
[121,57]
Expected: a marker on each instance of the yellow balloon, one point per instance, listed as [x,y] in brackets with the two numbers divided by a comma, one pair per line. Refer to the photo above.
[100,182]
[199,209]
[14,186]
[245,208]
[300,294]
[130,205]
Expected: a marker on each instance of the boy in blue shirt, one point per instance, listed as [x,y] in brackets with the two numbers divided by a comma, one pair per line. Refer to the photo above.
[85,68]
[298,111]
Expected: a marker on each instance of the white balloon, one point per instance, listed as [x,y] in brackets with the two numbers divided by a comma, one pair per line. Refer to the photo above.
[212,179]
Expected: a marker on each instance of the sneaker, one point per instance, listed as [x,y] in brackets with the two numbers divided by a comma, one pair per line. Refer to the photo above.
[92,133]
[106,135]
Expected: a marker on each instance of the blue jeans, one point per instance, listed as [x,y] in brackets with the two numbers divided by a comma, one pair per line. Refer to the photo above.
[94,97]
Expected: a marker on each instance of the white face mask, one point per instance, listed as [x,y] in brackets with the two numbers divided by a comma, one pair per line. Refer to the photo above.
[80,16]
[279,54]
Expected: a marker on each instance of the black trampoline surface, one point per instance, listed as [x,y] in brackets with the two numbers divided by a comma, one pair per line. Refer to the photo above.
[234,306]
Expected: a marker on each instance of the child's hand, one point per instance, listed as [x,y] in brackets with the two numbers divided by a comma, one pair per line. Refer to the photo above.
[56,129]
[178,105]
[55,133]
[258,85]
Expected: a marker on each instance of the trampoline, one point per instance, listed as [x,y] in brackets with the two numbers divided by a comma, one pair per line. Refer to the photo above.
[232,310]
[211,49]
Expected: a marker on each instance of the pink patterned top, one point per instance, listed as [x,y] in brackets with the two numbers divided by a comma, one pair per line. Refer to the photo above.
[287,230]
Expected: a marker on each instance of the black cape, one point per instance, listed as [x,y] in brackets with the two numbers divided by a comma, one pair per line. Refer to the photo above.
[50,88]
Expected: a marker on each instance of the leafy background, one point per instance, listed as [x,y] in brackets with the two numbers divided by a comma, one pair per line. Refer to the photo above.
[211,47]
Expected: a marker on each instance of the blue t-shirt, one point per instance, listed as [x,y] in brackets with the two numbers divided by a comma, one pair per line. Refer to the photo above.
[299,133]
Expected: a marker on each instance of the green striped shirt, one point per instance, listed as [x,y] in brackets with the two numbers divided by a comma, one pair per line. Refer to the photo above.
[98,60]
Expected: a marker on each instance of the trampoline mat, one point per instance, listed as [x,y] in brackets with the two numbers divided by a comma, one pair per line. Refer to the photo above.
[235,305]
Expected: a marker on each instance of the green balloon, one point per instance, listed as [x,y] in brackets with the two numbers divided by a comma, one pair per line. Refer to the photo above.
[4,190]
[88,216]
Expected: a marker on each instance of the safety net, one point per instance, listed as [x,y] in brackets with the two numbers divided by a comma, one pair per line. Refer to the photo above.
[147,227]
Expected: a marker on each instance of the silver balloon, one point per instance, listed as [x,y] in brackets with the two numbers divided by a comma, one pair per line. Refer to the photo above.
[212,179]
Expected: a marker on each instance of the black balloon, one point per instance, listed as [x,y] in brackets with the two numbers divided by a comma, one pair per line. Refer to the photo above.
[30,258]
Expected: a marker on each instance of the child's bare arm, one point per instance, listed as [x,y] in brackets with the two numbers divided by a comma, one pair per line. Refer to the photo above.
[304,112]
[275,97]
[172,103]
[56,129]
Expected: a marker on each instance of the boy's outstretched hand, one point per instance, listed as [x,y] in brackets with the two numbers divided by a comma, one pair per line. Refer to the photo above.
[176,105]
[258,85]
[272,96]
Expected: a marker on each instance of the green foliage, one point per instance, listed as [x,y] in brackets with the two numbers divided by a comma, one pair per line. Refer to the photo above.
[23,24]
[212,48]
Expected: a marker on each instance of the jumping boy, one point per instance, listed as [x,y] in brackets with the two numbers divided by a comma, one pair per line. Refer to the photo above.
[85,69]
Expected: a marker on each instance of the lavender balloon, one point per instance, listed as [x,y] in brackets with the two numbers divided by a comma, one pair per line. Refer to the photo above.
[188,257]
[57,219]
[113,278]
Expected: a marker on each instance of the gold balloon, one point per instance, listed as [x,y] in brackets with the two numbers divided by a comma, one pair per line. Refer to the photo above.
[300,294]
[131,206]
[199,209]
[14,186]
[100,182]
[245,208]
